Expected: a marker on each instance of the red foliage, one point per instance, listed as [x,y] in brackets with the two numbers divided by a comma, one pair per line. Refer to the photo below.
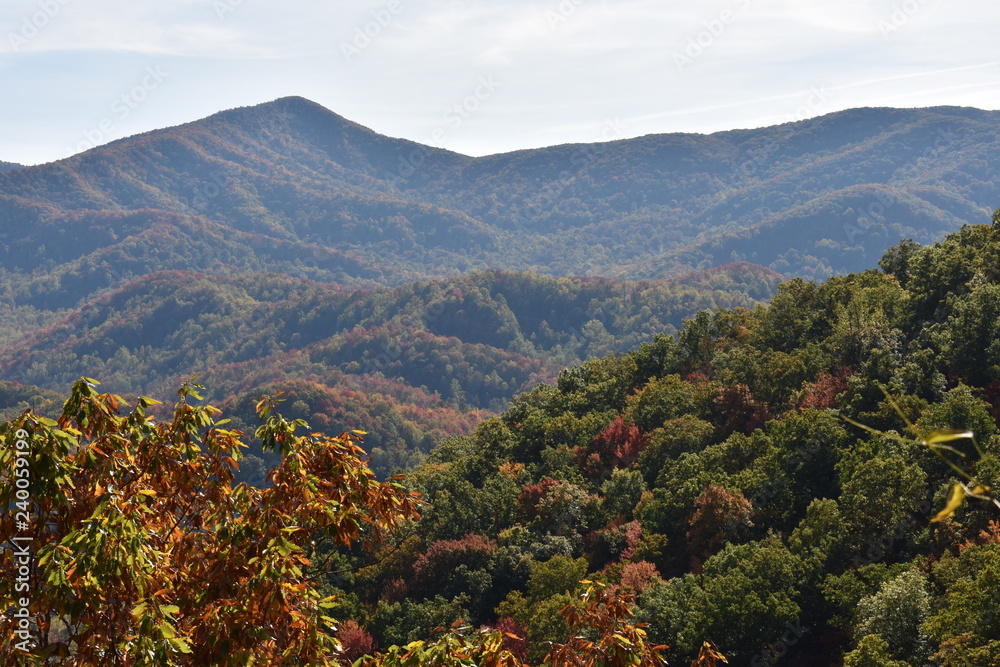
[719,517]
[617,446]
[740,409]
[513,637]
[591,464]
[633,533]
[530,496]
[695,377]
[614,543]
[442,557]
[355,639]
[823,393]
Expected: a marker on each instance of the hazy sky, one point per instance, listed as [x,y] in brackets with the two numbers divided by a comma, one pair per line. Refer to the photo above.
[481,77]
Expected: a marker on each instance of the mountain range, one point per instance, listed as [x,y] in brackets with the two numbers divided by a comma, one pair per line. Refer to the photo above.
[600,366]
[290,186]
[283,243]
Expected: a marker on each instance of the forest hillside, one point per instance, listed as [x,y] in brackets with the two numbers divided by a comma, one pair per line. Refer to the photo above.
[774,480]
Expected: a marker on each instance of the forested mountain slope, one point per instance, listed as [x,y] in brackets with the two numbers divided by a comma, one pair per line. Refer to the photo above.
[435,354]
[289,186]
[712,476]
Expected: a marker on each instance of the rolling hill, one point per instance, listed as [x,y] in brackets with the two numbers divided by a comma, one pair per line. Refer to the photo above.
[410,364]
[291,187]
[282,244]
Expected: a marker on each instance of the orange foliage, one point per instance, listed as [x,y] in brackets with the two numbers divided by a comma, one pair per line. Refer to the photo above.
[149,554]
[719,517]
[638,576]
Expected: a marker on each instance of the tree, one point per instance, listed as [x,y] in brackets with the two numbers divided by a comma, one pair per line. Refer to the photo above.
[599,628]
[619,642]
[719,517]
[458,647]
[618,445]
[745,600]
[876,501]
[895,260]
[638,576]
[872,651]
[966,622]
[661,399]
[355,640]
[622,492]
[147,554]
[896,613]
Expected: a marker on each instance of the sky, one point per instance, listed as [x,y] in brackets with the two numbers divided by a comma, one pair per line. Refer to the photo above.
[481,77]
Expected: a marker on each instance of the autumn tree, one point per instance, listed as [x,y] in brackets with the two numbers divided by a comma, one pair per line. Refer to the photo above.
[147,553]
[602,633]
[719,517]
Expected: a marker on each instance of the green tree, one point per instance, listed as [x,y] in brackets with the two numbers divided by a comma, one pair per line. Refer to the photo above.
[872,651]
[895,613]
[876,502]
[965,625]
[744,601]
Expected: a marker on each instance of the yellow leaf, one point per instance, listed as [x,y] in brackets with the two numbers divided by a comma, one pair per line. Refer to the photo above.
[180,645]
[954,502]
[947,435]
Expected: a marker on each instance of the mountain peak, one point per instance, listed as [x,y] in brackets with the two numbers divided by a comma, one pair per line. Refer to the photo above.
[293,104]
[283,109]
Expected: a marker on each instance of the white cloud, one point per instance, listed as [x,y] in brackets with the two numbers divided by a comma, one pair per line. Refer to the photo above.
[566,65]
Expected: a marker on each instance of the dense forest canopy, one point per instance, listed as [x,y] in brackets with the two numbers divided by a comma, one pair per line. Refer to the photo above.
[410,365]
[728,444]
[764,485]
[405,289]
[712,475]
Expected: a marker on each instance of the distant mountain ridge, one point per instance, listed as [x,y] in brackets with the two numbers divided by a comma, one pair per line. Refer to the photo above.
[187,322]
[412,364]
[289,186]
[7,166]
